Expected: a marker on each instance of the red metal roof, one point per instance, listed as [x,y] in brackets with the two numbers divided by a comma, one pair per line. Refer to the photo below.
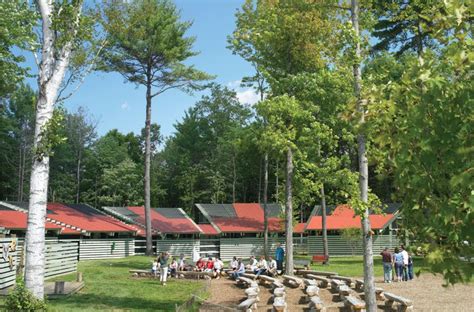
[17,220]
[90,222]
[299,228]
[208,229]
[249,219]
[181,225]
[344,217]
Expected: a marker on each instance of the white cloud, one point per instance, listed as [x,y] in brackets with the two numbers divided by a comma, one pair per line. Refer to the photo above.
[125,106]
[234,84]
[247,96]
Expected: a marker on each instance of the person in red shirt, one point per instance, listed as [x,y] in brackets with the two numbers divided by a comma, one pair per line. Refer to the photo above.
[210,265]
[200,265]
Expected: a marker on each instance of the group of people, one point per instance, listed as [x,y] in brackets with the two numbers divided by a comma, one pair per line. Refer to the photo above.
[165,267]
[401,260]
[210,265]
[271,267]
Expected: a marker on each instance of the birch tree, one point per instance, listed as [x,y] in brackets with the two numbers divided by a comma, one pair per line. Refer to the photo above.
[60,26]
[147,46]
[369,282]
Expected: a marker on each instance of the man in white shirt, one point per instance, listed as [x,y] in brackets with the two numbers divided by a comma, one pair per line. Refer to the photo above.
[253,264]
[405,262]
[272,266]
[218,265]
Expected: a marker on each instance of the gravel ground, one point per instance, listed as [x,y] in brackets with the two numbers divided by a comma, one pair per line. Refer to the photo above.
[426,292]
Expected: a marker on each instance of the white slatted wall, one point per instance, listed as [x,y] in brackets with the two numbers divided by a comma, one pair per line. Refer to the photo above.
[105,248]
[7,273]
[338,246]
[177,247]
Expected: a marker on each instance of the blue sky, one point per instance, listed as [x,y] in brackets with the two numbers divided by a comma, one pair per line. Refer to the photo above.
[117,104]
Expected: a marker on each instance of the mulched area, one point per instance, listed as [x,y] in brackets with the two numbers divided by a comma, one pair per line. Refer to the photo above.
[427,293]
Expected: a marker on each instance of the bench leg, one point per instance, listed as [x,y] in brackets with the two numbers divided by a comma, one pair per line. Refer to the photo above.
[403,308]
[388,303]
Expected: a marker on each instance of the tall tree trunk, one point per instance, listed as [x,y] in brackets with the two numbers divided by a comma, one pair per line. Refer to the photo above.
[265,207]
[277,194]
[260,181]
[369,285]
[78,177]
[289,212]
[325,230]
[149,242]
[53,66]
[20,174]
[234,177]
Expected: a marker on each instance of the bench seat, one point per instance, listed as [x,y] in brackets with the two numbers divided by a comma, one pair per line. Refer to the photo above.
[320,273]
[248,304]
[323,282]
[279,304]
[354,303]
[293,281]
[316,304]
[319,258]
[404,303]
[312,291]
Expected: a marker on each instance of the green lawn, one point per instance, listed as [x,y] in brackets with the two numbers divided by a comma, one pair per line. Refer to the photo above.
[353,266]
[109,287]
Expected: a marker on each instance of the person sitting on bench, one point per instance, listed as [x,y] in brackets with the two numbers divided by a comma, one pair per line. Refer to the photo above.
[262,266]
[272,266]
[240,269]
[173,267]
[181,263]
[218,265]
[234,264]
[200,265]
[252,264]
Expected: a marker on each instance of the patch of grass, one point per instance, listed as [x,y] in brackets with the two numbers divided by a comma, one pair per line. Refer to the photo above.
[109,286]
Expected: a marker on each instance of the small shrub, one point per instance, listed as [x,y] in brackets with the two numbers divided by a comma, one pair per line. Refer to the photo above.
[22,300]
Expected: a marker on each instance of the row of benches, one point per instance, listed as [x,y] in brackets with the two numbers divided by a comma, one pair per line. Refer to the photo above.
[251,292]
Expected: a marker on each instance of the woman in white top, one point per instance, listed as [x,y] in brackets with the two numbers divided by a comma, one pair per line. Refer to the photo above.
[262,266]
[234,264]
[218,265]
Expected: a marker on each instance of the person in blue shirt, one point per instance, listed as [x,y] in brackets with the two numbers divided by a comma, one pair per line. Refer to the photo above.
[398,260]
[279,256]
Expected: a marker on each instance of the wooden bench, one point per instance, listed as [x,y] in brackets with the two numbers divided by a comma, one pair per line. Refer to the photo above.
[279,292]
[310,282]
[312,291]
[323,282]
[247,282]
[344,291]
[252,292]
[319,258]
[304,264]
[293,281]
[197,275]
[348,280]
[249,275]
[264,279]
[277,284]
[320,273]
[379,294]
[354,303]
[404,304]
[279,304]
[335,284]
[248,304]
[316,304]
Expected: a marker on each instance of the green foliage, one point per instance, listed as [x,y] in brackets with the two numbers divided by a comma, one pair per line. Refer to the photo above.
[22,300]
[16,30]
[50,135]
[146,44]
[428,143]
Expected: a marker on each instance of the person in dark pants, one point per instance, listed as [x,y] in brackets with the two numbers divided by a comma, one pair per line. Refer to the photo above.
[279,256]
[387,261]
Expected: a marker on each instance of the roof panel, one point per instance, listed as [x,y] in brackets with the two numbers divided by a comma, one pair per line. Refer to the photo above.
[170,213]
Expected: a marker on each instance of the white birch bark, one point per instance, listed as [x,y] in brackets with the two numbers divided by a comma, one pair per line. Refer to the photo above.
[369,284]
[52,69]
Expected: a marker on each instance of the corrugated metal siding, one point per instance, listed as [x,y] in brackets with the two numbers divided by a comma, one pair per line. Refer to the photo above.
[247,246]
[107,248]
[7,274]
[338,246]
[178,246]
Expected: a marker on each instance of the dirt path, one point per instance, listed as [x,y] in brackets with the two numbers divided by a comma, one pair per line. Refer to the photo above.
[426,293]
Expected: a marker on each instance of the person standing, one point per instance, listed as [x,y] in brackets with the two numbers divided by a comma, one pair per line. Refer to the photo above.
[163,261]
[279,256]
[405,262]
[410,267]
[398,259]
[387,262]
